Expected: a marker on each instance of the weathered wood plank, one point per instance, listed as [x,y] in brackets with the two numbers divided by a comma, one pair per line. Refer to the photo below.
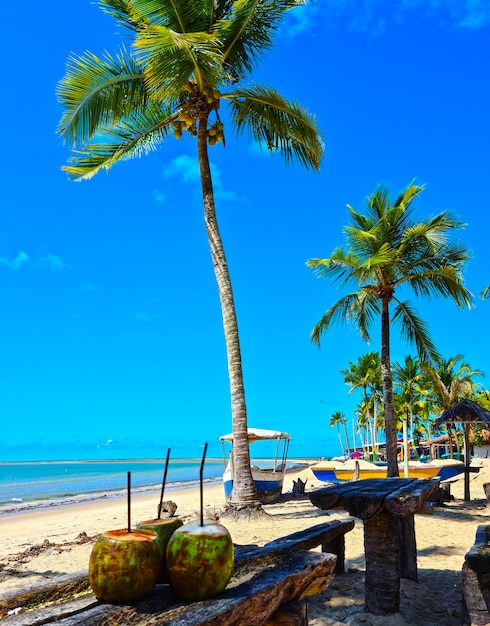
[47,591]
[478,557]
[68,613]
[330,497]
[330,535]
[475,609]
[408,500]
[408,548]
[250,601]
[369,500]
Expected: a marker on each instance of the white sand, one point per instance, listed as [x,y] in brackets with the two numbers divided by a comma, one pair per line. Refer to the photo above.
[39,545]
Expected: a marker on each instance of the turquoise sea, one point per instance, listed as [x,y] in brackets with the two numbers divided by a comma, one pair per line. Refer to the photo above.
[27,484]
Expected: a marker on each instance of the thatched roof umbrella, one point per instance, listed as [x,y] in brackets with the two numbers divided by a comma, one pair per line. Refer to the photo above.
[466,412]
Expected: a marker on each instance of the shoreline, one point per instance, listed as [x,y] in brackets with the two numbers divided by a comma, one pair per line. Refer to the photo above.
[19,505]
[17,508]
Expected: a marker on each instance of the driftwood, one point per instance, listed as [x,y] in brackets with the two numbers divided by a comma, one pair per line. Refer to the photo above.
[250,599]
[299,487]
[167,509]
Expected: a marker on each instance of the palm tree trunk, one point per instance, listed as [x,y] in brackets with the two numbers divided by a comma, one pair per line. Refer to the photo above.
[346,437]
[340,439]
[390,422]
[243,486]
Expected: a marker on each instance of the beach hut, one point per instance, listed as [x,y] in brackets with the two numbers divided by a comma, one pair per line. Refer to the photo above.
[465,412]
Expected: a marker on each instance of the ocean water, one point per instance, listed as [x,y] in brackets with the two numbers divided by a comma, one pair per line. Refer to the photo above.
[24,483]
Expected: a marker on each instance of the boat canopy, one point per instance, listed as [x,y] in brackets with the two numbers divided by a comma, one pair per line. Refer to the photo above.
[258,434]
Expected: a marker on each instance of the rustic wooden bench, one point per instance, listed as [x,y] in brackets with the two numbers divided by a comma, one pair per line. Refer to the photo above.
[476,580]
[268,587]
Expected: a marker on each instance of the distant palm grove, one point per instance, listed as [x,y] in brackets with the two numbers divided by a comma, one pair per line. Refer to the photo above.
[391,251]
[421,391]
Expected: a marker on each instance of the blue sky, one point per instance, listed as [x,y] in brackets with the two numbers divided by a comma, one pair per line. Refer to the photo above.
[110,326]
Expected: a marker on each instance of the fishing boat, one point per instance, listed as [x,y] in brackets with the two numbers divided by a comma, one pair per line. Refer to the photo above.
[267,472]
[325,471]
[370,470]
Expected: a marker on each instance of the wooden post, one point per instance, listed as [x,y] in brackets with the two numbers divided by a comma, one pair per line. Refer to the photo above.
[466,463]
[382,552]
[408,548]
[336,546]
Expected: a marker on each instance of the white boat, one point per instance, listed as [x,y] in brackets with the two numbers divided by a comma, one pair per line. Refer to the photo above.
[269,475]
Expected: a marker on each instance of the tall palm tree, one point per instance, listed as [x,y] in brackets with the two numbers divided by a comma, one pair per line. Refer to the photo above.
[365,375]
[186,60]
[388,249]
[337,419]
[407,378]
[451,380]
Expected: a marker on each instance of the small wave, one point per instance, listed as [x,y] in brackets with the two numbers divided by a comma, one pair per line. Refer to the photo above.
[16,500]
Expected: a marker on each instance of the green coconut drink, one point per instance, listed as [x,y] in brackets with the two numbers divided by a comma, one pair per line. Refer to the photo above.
[200,558]
[164,528]
[123,565]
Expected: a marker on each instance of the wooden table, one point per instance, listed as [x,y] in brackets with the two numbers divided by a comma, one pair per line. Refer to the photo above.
[387,508]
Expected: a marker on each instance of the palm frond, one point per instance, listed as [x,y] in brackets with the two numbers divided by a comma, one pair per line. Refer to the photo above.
[170,58]
[358,308]
[415,330]
[124,11]
[98,92]
[247,32]
[442,282]
[485,294]
[343,266]
[179,15]
[408,195]
[278,124]
[143,132]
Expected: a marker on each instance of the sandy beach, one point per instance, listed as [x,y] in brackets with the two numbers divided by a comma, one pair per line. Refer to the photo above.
[42,544]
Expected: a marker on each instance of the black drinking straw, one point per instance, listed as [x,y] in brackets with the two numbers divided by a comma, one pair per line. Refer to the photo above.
[163,484]
[129,502]
[200,483]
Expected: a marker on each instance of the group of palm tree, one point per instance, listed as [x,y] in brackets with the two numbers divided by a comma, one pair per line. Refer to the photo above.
[187,73]
[421,390]
[389,252]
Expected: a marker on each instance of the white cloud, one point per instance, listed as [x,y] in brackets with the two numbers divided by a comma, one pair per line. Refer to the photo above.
[184,167]
[158,196]
[53,262]
[374,15]
[186,170]
[17,263]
